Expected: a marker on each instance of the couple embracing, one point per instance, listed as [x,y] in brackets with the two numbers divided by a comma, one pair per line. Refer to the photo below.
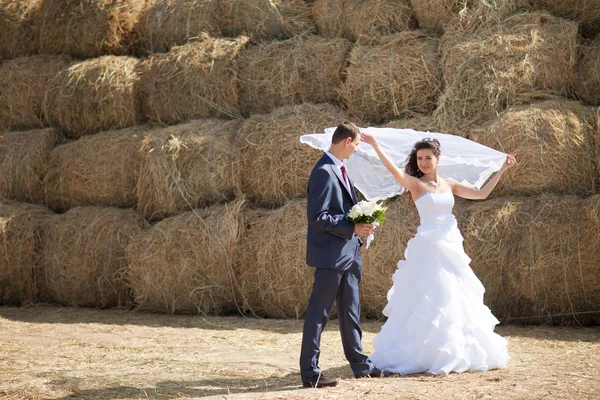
[437,322]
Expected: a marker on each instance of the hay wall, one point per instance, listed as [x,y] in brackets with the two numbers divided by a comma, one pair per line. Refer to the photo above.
[23,85]
[585,12]
[22,229]
[84,256]
[272,165]
[486,71]
[184,264]
[529,255]
[23,163]
[434,14]
[308,69]
[396,76]
[553,143]
[98,169]
[93,95]
[353,19]
[86,28]
[16,20]
[197,80]
[587,84]
[273,275]
[186,166]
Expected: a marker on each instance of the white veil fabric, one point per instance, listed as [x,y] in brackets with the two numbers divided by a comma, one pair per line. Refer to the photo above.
[462,159]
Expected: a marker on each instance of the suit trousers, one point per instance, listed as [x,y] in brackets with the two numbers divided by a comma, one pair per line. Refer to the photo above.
[341,287]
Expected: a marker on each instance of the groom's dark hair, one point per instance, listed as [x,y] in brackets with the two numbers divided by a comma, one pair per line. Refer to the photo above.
[345,130]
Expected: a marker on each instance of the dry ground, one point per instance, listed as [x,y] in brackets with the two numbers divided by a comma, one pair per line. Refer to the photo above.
[60,353]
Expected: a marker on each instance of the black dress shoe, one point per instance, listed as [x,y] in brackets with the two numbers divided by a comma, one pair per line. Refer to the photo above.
[375,373]
[320,382]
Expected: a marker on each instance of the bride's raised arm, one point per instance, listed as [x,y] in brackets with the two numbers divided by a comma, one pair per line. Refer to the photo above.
[409,182]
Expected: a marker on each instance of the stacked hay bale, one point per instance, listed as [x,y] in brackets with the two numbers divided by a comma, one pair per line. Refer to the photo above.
[307,69]
[87,28]
[488,70]
[22,228]
[23,163]
[97,169]
[353,19]
[24,83]
[587,84]
[185,264]
[585,12]
[196,80]
[93,95]
[272,165]
[186,166]
[554,142]
[16,25]
[395,76]
[85,256]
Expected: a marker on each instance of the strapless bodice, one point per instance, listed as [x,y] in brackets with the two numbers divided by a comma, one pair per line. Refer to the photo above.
[435,208]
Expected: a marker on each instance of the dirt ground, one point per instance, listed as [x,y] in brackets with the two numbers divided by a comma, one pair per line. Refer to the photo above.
[65,353]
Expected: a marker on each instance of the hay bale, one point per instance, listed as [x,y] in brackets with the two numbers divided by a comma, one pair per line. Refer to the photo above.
[553,143]
[527,253]
[167,23]
[589,235]
[585,12]
[265,20]
[95,170]
[186,166]
[307,69]
[433,14]
[23,85]
[22,228]
[353,19]
[486,71]
[587,84]
[184,264]
[272,165]
[398,76]
[424,123]
[94,95]
[197,80]
[85,256]
[86,28]
[16,20]
[23,163]
[274,277]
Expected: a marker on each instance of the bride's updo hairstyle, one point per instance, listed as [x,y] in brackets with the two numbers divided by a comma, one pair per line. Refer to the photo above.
[411,167]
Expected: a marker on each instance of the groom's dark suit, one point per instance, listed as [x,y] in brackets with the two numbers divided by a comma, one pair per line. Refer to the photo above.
[333,249]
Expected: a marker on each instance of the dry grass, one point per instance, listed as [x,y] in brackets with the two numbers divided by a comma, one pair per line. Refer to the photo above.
[272,165]
[187,166]
[93,95]
[54,353]
[84,256]
[273,274]
[554,145]
[585,12]
[434,14]
[23,85]
[22,227]
[185,264]
[487,70]
[587,84]
[98,169]
[533,255]
[396,76]
[352,19]
[424,123]
[16,20]
[23,162]
[197,80]
[86,28]
[301,69]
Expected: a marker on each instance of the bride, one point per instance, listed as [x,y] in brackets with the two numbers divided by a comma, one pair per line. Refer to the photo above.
[437,322]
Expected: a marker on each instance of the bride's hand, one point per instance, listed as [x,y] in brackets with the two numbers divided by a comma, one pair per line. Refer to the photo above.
[509,163]
[369,139]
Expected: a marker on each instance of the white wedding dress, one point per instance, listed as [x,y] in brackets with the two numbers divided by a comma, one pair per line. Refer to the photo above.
[437,322]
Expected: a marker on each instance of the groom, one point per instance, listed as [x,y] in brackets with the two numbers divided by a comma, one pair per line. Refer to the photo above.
[333,250]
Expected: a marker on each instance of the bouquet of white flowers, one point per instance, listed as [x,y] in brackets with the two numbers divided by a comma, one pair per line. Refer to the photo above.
[367,212]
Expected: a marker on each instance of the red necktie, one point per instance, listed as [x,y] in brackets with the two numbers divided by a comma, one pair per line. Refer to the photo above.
[343,168]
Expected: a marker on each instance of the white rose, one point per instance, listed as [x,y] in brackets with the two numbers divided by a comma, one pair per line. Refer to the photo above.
[366,208]
[354,212]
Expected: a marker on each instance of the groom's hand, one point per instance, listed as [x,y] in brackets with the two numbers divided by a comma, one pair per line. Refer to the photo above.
[363,229]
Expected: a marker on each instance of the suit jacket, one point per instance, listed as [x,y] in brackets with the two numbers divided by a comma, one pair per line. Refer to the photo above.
[331,242]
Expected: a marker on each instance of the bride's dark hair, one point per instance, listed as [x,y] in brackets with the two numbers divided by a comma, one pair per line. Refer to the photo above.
[411,167]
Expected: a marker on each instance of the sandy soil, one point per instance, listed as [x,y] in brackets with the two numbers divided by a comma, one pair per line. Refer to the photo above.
[65,353]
